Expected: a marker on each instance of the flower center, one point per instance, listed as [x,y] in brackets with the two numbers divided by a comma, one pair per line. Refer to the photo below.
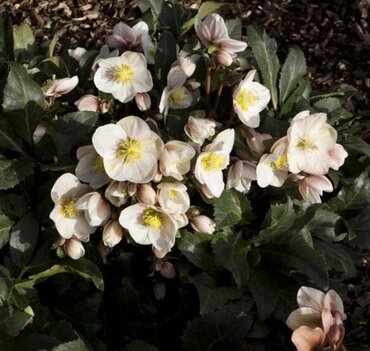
[99,165]
[245,99]
[69,209]
[176,96]
[129,150]
[153,218]
[280,164]
[172,193]
[123,74]
[213,162]
[305,144]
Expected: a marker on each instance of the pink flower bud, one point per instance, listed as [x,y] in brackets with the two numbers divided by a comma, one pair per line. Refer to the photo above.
[224,58]
[131,189]
[146,194]
[62,86]
[143,101]
[112,234]
[167,270]
[203,224]
[88,103]
[74,248]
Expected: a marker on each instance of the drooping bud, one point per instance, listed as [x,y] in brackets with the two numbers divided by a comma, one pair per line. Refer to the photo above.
[97,209]
[203,224]
[112,234]
[143,101]
[146,194]
[74,248]
[224,58]
[88,103]
[166,269]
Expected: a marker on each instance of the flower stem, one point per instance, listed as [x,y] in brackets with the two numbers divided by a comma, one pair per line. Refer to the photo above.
[208,88]
[219,93]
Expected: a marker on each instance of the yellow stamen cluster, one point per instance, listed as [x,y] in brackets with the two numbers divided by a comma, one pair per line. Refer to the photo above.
[281,163]
[246,99]
[129,150]
[172,193]
[69,209]
[123,74]
[176,96]
[153,218]
[213,162]
[305,144]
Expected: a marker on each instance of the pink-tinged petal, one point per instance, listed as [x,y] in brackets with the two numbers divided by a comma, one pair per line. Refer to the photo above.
[216,27]
[65,184]
[203,33]
[337,155]
[334,303]
[74,248]
[88,103]
[224,58]
[320,183]
[304,316]
[140,28]
[327,319]
[176,78]
[307,339]
[65,85]
[123,30]
[310,297]
[106,138]
[163,104]
[232,45]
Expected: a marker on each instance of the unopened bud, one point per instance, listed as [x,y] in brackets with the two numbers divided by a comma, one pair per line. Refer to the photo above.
[224,58]
[146,194]
[143,101]
[192,211]
[131,189]
[203,224]
[97,209]
[167,270]
[88,103]
[74,248]
[112,234]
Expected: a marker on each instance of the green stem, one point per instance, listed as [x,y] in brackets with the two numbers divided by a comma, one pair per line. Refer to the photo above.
[208,87]
[326,95]
[219,93]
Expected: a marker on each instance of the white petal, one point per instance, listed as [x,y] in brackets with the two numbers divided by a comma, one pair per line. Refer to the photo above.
[64,185]
[304,316]
[310,297]
[106,138]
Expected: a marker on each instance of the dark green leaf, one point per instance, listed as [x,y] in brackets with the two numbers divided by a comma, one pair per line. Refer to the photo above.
[154,5]
[139,345]
[72,129]
[355,144]
[6,37]
[231,208]
[327,105]
[196,247]
[23,102]
[8,139]
[23,41]
[5,226]
[172,17]
[231,250]
[12,172]
[12,322]
[359,229]
[205,9]
[295,97]
[323,224]
[264,49]
[234,28]
[355,196]
[293,70]
[13,206]
[85,64]
[279,220]
[82,267]
[23,240]
[77,345]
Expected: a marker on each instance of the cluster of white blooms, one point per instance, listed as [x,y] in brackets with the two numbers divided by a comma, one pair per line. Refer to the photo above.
[130,179]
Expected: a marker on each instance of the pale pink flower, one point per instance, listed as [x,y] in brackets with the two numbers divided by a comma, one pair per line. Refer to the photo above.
[337,155]
[62,86]
[312,187]
[88,103]
[203,224]
[112,233]
[74,248]
[240,175]
[199,129]
[186,64]
[143,101]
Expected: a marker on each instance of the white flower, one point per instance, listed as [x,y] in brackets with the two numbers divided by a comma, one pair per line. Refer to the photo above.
[62,86]
[175,159]
[173,197]
[310,140]
[149,225]
[123,76]
[175,95]
[97,210]
[199,129]
[130,150]
[272,169]
[240,175]
[186,64]
[74,248]
[77,53]
[104,54]
[203,224]
[117,193]
[249,99]
[337,155]
[112,233]
[90,167]
[69,220]
[88,103]
[211,162]
[213,33]
[312,187]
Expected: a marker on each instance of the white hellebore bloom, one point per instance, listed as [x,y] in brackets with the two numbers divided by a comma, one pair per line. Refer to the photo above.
[175,159]
[211,162]
[97,209]
[173,197]
[175,95]
[272,169]
[117,193]
[249,99]
[310,141]
[124,76]
[69,220]
[90,167]
[240,176]
[149,225]
[186,64]
[199,129]
[62,86]
[77,53]
[130,150]
[213,33]
[312,187]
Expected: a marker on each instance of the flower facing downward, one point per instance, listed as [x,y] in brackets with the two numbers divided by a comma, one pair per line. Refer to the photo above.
[130,150]
[199,129]
[62,86]
[74,248]
[96,208]
[240,176]
[211,162]
[69,220]
[249,99]
[173,197]
[149,225]
[123,76]
[312,187]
